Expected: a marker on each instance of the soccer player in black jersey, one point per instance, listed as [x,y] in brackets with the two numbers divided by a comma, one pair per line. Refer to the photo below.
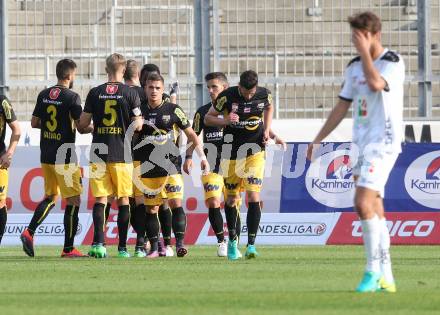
[7,117]
[247,110]
[113,106]
[160,158]
[164,214]
[213,185]
[56,114]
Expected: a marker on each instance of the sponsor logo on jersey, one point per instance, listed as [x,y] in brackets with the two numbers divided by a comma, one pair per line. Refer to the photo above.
[111,89]
[54,93]
[422,179]
[329,180]
[260,106]
[247,110]
[166,119]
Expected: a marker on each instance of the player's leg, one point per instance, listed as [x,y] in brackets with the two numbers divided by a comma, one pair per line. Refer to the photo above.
[386,283]
[166,223]
[254,171]
[69,180]
[371,174]
[139,221]
[174,190]
[3,208]
[121,175]
[101,187]
[213,187]
[42,210]
[152,200]
[364,202]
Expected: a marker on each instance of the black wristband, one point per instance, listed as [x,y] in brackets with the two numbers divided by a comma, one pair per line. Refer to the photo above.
[187,157]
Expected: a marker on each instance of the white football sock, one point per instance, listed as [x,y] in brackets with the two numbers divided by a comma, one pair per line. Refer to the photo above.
[385,258]
[371,234]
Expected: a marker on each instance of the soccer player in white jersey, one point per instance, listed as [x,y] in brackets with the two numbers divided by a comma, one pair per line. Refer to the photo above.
[374,85]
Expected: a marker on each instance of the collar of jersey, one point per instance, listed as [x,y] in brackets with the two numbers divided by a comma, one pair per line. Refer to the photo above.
[148,104]
[246,101]
[385,50]
[113,82]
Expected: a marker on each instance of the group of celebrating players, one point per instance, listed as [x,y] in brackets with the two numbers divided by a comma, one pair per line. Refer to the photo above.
[135,152]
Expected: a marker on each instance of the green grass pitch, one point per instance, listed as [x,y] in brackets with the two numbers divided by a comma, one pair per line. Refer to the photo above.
[283,280]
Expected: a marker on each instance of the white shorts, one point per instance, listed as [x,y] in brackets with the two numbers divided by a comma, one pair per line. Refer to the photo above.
[373,170]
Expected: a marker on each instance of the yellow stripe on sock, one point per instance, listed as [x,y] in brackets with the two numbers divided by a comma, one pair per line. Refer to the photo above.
[45,211]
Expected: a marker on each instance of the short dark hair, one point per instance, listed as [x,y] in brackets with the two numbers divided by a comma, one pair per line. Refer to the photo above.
[216,75]
[64,68]
[155,77]
[367,21]
[131,69]
[248,79]
[146,70]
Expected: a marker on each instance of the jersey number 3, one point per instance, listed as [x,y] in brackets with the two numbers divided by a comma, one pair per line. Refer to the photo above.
[109,110]
[51,124]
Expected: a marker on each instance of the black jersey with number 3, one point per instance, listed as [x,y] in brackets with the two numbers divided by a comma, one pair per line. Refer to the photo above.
[112,106]
[57,107]
[249,129]
[212,137]
[158,140]
[7,115]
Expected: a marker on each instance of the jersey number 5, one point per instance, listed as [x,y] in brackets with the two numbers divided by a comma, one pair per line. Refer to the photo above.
[109,110]
[51,124]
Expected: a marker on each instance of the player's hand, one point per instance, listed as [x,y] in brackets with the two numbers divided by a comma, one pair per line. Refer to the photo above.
[266,137]
[361,41]
[232,118]
[310,151]
[280,142]
[174,88]
[5,160]
[204,166]
[187,166]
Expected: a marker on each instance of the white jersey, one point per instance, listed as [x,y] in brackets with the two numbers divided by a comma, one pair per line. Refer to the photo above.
[377,116]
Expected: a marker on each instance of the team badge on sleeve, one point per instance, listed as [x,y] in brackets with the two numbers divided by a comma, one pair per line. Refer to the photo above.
[181,116]
[137,111]
[220,103]
[7,109]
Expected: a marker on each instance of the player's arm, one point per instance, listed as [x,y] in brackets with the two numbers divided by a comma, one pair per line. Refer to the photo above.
[278,140]
[197,127]
[267,121]
[88,129]
[135,111]
[85,121]
[337,114]
[219,107]
[35,122]
[6,158]
[362,42]
[195,142]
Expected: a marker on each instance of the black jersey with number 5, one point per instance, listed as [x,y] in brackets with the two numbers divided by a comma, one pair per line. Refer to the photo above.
[57,107]
[112,106]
